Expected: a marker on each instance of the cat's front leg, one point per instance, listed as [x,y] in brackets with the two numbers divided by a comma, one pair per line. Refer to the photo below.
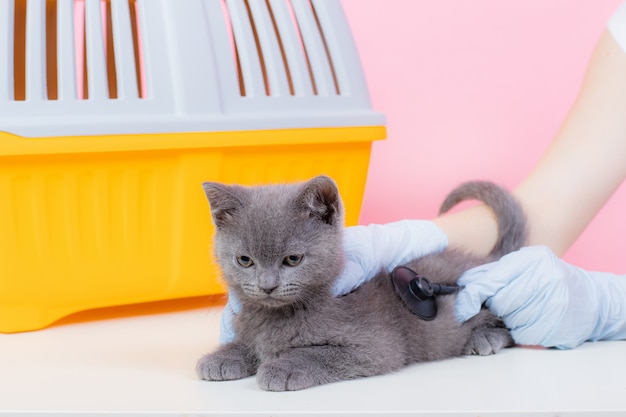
[488,341]
[228,363]
[489,336]
[305,367]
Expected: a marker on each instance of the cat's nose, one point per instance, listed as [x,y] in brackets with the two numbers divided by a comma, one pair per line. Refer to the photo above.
[267,282]
[268,289]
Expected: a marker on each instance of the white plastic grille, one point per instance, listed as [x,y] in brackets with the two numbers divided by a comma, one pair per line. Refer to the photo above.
[69,49]
[92,67]
[280,48]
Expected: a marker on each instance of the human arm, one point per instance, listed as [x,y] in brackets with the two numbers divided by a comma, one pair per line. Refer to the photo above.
[584,165]
[577,174]
[542,299]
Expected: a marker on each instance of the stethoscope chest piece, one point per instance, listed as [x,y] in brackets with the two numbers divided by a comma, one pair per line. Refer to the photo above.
[417,292]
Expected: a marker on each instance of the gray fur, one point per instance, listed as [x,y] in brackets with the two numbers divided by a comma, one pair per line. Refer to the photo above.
[292,333]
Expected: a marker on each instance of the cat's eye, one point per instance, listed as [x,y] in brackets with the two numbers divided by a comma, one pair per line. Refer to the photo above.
[292,260]
[245,261]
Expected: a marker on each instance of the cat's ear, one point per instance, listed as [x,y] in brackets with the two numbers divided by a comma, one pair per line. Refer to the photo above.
[320,199]
[224,200]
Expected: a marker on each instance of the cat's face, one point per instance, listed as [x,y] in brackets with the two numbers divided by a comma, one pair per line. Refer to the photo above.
[281,244]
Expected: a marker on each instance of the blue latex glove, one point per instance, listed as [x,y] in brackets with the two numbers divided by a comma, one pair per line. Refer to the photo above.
[368,250]
[546,301]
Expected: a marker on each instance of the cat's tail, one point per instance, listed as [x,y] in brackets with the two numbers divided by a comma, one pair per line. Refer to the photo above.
[512,223]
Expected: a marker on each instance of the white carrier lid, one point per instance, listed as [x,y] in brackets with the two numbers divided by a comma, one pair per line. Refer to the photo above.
[159,66]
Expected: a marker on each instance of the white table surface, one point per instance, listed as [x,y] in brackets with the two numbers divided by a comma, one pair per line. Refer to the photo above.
[144,365]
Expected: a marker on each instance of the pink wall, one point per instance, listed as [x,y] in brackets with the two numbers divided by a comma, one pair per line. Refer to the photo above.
[476,90]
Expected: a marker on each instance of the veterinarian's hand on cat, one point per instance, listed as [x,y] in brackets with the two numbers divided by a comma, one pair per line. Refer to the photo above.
[546,301]
[368,249]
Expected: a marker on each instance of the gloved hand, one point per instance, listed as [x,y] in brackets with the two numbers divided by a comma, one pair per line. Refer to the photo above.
[545,301]
[368,250]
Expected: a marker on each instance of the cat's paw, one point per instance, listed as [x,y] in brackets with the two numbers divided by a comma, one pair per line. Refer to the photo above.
[220,367]
[286,375]
[487,341]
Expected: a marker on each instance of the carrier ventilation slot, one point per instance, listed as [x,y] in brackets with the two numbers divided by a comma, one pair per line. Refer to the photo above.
[56,56]
[279,48]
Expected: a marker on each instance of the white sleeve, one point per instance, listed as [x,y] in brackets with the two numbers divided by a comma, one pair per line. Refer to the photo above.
[617,26]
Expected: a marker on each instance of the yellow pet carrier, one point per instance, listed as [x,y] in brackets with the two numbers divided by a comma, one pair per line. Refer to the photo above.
[112,114]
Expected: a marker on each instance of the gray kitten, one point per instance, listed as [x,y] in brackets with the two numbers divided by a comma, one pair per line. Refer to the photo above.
[280,251]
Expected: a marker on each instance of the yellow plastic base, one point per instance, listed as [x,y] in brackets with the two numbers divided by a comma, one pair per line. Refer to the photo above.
[89,222]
